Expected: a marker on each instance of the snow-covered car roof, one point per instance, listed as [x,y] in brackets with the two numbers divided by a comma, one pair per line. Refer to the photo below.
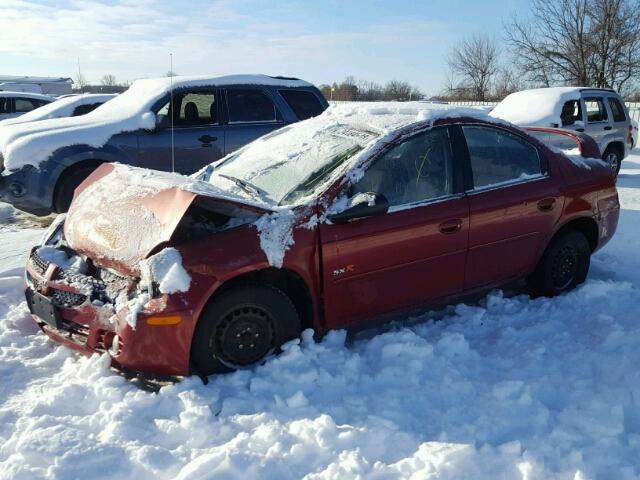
[34,142]
[62,107]
[538,106]
[35,96]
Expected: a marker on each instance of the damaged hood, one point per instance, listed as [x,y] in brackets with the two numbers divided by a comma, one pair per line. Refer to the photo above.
[120,214]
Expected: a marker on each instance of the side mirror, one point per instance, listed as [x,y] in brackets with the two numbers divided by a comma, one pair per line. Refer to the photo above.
[363,205]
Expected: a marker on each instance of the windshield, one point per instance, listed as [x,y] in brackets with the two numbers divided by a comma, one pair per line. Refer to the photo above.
[293,162]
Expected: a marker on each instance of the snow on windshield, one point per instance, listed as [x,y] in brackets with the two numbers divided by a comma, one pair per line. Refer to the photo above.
[281,163]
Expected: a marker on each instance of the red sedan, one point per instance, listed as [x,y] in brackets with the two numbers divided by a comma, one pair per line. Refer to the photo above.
[326,224]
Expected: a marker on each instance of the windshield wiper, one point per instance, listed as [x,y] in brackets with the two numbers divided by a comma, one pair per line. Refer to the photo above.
[250,188]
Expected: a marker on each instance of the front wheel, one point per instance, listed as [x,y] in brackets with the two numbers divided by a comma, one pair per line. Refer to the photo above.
[241,327]
[66,188]
[563,266]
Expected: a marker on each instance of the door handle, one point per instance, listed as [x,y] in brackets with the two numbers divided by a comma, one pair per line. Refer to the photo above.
[450,226]
[579,129]
[608,128]
[207,139]
[546,204]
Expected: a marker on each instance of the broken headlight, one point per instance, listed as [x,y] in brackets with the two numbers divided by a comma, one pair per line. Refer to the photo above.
[55,232]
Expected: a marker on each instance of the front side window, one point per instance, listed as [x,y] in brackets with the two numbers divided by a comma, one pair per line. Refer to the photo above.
[617,110]
[596,111]
[84,109]
[192,109]
[416,170]
[5,105]
[304,104]
[250,106]
[499,158]
[571,113]
[25,105]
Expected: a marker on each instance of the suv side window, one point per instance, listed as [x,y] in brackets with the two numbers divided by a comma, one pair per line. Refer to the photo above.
[499,158]
[304,104]
[247,105]
[571,112]
[418,169]
[5,105]
[596,111]
[617,110]
[24,105]
[192,109]
[84,109]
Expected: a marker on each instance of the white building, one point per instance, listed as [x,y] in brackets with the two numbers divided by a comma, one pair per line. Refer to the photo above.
[46,85]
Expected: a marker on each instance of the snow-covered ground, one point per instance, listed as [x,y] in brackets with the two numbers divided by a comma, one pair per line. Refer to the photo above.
[510,388]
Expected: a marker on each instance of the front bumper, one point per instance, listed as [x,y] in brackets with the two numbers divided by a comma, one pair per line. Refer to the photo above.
[22,189]
[86,327]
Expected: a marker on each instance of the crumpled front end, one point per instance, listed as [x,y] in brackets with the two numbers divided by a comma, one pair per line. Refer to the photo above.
[95,309]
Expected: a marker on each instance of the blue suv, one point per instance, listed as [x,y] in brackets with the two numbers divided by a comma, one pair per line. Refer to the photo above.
[205,118]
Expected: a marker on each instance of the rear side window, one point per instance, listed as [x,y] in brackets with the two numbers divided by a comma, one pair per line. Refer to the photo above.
[617,110]
[26,105]
[84,109]
[596,111]
[250,106]
[498,157]
[304,104]
[571,112]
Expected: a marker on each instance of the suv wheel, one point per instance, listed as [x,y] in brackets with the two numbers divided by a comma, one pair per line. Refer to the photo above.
[241,327]
[613,158]
[563,266]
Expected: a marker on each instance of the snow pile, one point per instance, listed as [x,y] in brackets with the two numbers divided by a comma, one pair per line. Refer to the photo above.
[34,142]
[63,107]
[60,258]
[165,268]
[540,106]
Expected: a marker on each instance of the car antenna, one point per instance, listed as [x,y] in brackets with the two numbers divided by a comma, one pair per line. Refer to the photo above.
[173,155]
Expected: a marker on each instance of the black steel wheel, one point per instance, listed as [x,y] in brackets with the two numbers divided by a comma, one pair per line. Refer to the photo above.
[563,266]
[242,327]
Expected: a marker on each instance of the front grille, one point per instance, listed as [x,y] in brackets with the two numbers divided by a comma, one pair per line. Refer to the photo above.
[39,264]
[62,298]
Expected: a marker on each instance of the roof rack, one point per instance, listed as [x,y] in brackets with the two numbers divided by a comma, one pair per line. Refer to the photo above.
[597,88]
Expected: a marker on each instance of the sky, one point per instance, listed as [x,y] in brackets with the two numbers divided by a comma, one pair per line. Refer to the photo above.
[319,41]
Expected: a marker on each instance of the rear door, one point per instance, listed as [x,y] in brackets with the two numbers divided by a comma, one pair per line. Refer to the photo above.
[514,201]
[619,118]
[198,133]
[411,255]
[598,123]
[251,113]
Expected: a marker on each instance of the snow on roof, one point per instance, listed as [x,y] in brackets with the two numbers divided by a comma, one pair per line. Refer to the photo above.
[34,142]
[540,106]
[62,107]
[37,96]
[29,79]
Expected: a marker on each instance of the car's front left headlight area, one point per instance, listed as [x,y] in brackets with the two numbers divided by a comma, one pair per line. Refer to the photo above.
[55,233]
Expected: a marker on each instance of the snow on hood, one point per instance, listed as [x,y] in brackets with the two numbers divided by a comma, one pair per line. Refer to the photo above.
[63,107]
[540,106]
[121,213]
[34,142]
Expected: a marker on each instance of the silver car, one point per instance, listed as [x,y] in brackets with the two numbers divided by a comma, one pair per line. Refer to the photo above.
[600,113]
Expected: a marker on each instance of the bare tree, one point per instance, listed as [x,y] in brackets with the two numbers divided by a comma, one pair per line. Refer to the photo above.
[578,42]
[401,91]
[109,80]
[80,82]
[507,81]
[475,62]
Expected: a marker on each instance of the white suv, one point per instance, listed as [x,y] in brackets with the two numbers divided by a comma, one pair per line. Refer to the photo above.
[600,113]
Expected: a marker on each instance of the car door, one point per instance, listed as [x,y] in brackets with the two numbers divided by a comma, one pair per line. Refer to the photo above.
[598,123]
[619,118]
[514,200]
[198,133]
[409,256]
[252,113]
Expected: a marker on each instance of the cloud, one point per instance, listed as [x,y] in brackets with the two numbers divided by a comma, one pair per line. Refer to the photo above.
[133,38]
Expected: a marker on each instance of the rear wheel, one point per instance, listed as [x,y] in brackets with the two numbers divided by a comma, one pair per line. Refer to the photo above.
[241,327]
[613,157]
[563,266]
[67,185]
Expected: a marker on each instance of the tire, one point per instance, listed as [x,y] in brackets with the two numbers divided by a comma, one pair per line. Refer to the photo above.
[241,327]
[563,266]
[613,157]
[67,185]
